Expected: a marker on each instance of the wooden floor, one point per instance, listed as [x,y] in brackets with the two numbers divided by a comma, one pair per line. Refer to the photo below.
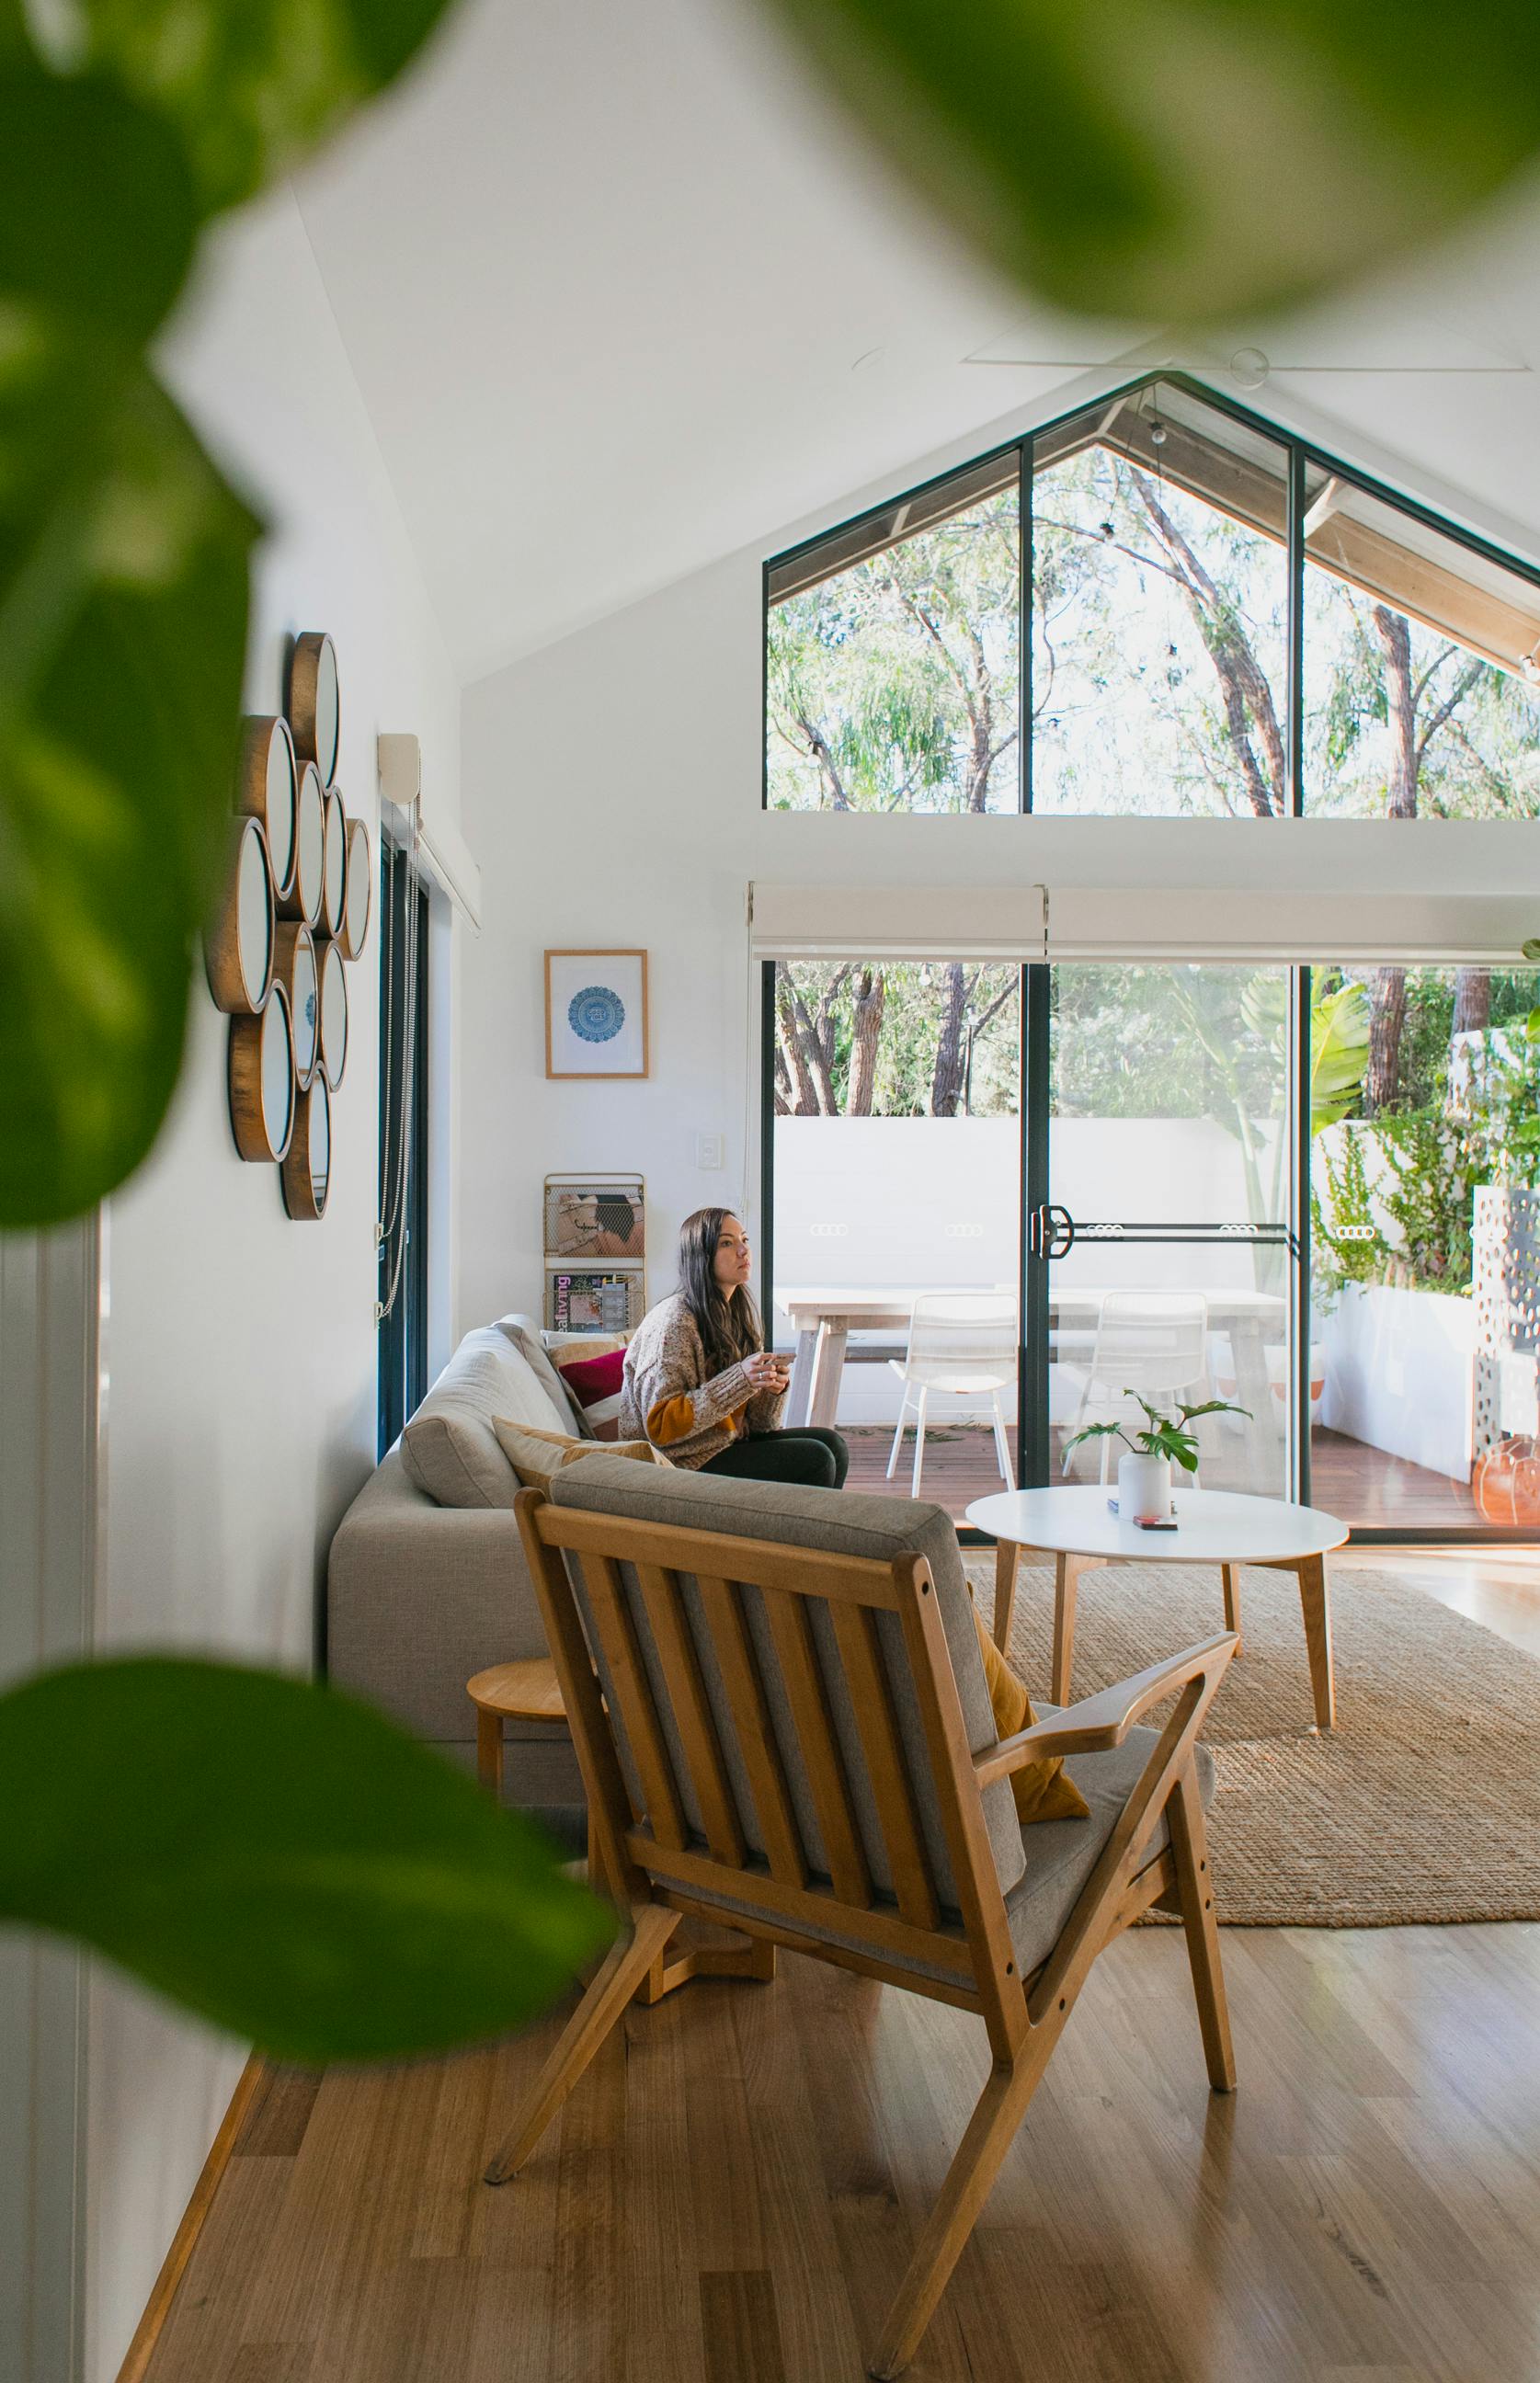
[1369,1488]
[731,2195]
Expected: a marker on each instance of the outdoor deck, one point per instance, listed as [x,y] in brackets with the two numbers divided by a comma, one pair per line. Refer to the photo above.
[1368,1488]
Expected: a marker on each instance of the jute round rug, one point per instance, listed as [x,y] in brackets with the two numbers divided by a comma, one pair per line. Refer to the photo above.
[1424,1803]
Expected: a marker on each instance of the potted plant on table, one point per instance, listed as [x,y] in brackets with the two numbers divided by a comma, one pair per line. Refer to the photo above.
[1144,1474]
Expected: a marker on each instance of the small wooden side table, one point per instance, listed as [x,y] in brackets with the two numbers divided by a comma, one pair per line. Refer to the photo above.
[529,1691]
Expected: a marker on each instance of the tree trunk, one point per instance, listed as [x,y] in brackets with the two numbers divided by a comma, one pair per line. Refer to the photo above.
[1387,1011]
[1472,1002]
[946,1079]
[1387,1018]
[794,1036]
[866,1027]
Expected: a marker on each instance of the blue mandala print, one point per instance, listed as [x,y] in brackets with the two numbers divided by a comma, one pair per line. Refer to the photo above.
[596,1014]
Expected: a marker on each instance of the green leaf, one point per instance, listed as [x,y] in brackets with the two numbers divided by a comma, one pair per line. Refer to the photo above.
[280,1859]
[97,214]
[1532,948]
[1532,1026]
[1192,160]
[1338,1054]
[253,87]
[123,603]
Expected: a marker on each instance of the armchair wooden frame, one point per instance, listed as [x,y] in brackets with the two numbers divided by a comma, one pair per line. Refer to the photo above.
[658,1870]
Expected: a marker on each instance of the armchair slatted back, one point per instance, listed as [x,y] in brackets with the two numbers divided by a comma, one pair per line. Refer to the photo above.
[776,1732]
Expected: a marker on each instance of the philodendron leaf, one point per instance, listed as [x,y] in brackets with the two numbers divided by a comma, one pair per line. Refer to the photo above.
[280,1859]
[123,598]
[1180,160]
[253,87]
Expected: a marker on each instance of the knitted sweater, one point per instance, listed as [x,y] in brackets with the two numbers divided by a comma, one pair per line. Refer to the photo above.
[667,1397]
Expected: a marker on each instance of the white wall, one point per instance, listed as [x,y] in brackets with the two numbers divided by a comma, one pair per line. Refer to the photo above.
[240,1346]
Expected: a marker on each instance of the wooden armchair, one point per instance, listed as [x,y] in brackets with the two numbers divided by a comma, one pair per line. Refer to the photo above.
[792,1739]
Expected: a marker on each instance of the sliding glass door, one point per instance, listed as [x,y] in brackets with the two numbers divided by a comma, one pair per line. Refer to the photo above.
[1161,1257]
[1311,1193]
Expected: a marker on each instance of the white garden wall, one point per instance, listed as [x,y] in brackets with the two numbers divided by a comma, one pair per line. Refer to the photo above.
[1399,1374]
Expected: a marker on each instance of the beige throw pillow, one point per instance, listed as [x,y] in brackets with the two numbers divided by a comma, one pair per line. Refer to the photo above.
[539,1456]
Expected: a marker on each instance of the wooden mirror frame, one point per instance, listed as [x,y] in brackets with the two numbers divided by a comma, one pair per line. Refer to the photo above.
[310,794]
[304,677]
[329,960]
[294,935]
[247,1116]
[259,733]
[334,839]
[222,955]
[354,932]
[298,1181]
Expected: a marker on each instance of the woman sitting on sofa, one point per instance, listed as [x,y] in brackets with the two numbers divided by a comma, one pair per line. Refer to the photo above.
[699,1381]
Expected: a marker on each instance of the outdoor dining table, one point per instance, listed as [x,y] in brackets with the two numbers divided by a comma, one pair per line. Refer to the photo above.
[824,1318]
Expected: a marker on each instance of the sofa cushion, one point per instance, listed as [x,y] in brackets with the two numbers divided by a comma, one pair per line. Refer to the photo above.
[524,1334]
[539,1456]
[449,1450]
[839,1522]
[594,1380]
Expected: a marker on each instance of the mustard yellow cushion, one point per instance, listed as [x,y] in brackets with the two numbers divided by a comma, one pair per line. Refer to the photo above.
[1043,1790]
[537,1456]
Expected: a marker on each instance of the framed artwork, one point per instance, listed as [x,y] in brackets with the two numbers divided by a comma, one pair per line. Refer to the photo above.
[596,1014]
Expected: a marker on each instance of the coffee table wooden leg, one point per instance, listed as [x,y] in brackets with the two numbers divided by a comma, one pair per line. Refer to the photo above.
[1066,1575]
[1007,1561]
[1316,1605]
[1232,1600]
[489,1750]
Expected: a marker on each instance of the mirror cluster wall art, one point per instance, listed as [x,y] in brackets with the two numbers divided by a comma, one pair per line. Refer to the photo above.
[296,905]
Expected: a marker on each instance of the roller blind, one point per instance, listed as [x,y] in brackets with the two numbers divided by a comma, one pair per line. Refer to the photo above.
[1077,922]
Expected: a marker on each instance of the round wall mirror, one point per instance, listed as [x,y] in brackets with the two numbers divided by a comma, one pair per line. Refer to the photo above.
[261,1080]
[307,1168]
[296,971]
[334,1015]
[305,895]
[238,952]
[265,789]
[360,893]
[315,708]
[334,899]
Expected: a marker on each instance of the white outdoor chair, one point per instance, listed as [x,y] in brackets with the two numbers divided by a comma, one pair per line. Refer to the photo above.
[1155,1342]
[962,1342]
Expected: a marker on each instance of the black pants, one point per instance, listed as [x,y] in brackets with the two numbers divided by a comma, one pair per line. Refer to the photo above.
[818,1457]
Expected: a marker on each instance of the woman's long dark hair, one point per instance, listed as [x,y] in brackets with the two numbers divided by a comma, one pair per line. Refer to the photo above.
[730,1328]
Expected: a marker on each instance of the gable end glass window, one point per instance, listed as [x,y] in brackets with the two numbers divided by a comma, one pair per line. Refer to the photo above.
[1195,617]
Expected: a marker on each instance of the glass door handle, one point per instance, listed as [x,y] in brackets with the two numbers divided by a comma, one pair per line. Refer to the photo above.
[1049,1231]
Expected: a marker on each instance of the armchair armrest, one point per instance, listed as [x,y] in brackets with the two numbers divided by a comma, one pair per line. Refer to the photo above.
[1103,1721]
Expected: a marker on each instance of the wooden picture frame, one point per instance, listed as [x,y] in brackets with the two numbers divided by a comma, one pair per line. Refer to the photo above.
[611,986]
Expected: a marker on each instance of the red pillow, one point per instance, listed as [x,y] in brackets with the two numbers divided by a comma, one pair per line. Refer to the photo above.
[595,1383]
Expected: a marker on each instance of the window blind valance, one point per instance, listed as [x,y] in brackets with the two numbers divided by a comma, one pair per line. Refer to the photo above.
[1046,922]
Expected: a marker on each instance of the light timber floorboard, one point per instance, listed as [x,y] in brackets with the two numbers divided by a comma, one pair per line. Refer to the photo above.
[734,2189]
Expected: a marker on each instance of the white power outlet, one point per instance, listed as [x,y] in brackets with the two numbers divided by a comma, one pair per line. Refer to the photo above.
[710,1150]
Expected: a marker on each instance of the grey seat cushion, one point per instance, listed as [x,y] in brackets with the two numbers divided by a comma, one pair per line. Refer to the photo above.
[1059,1857]
[449,1450]
[841,1522]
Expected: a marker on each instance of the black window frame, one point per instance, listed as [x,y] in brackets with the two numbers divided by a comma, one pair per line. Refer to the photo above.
[888,525]
[401,1320]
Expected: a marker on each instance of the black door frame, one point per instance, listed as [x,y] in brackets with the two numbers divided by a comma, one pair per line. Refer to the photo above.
[1032,1429]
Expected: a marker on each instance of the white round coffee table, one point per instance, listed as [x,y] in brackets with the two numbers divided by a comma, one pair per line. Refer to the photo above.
[1212,1527]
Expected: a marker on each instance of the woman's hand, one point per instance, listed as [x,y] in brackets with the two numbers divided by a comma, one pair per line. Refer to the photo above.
[766,1371]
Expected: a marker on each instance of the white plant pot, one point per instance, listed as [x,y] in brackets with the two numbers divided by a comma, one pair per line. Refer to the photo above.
[1143,1487]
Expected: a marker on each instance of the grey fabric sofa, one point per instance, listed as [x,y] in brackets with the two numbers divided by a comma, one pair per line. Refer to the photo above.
[422,1593]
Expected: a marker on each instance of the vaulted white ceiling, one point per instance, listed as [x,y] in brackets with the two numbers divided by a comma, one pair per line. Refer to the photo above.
[623,296]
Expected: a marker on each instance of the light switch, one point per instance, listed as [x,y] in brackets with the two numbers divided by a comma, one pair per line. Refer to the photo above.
[708,1150]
